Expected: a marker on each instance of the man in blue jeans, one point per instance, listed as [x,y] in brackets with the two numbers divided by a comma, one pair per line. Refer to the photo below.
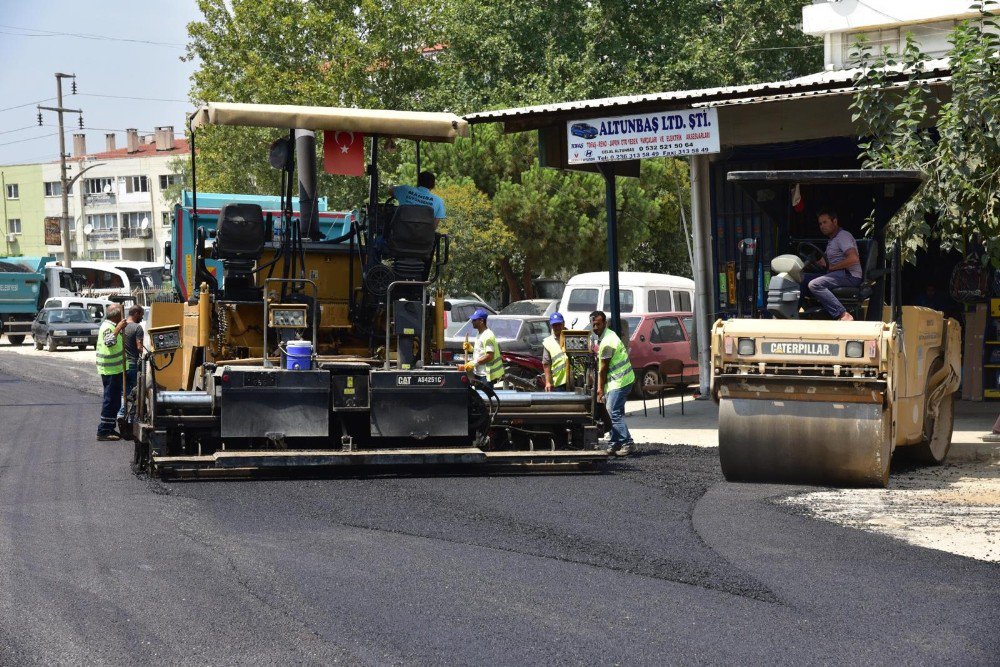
[614,382]
[842,264]
[110,366]
[132,342]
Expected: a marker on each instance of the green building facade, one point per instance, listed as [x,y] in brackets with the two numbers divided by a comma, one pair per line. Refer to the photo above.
[22,210]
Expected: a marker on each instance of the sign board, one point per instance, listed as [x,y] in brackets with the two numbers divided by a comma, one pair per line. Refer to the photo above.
[663,134]
[53,231]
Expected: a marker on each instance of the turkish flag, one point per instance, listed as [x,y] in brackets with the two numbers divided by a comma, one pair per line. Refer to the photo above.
[797,202]
[344,153]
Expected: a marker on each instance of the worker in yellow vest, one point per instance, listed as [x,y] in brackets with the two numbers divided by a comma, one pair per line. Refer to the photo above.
[111,367]
[553,356]
[614,382]
[486,361]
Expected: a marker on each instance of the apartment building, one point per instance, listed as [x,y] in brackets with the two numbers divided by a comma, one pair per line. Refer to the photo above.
[883,24]
[21,210]
[117,208]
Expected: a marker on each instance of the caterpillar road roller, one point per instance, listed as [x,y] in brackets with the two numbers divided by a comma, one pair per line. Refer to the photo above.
[804,399]
[297,350]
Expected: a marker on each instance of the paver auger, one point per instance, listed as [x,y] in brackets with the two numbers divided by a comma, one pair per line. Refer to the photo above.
[828,402]
[304,353]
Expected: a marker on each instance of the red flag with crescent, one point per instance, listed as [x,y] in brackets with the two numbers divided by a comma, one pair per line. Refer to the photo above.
[343,153]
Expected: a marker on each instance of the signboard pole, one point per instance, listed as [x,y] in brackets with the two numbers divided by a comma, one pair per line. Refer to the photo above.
[611,201]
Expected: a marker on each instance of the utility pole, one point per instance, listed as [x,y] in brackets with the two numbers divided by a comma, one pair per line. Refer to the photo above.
[62,159]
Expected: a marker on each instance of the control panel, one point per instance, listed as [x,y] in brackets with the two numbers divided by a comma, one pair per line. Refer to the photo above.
[165,339]
[287,316]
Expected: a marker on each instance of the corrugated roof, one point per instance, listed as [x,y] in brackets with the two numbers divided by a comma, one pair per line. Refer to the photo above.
[820,83]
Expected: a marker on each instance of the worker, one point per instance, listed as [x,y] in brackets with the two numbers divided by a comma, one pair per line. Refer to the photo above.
[842,264]
[614,382]
[111,366]
[486,362]
[553,356]
[132,336]
[421,195]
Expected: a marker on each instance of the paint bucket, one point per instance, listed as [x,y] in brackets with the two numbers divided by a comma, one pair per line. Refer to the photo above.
[299,355]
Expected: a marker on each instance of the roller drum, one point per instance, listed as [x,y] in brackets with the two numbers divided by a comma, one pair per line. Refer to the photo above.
[812,442]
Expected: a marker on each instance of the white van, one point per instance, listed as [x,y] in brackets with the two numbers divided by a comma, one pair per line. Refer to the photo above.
[639,293]
[96,307]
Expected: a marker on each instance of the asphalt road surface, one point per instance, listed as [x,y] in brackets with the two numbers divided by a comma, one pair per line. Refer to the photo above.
[656,561]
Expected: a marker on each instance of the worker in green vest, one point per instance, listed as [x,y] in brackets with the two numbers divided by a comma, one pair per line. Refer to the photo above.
[111,366]
[614,382]
[553,356]
[486,361]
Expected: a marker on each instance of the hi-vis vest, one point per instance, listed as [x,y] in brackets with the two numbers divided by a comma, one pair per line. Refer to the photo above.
[619,367]
[109,359]
[558,365]
[487,342]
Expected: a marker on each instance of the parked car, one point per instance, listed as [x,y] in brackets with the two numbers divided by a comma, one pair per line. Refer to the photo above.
[55,327]
[638,293]
[531,307]
[96,307]
[460,312]
[658,336]
[515,333]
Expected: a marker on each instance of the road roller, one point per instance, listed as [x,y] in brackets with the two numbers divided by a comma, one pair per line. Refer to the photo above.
[804,399]
[296,350]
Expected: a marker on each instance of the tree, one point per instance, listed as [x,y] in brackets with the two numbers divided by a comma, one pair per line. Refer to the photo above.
[957,146]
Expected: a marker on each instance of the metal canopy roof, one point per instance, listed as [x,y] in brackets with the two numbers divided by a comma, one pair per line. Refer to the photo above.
[416,125]
[821,83]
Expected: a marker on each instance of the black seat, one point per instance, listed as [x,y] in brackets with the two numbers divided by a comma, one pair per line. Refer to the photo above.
[853,296]
[410,233]
[239,241]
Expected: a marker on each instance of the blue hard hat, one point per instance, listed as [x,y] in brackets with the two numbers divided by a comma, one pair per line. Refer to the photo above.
[556,318]
[480,314]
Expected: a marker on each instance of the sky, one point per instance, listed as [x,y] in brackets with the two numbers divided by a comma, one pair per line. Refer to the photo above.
[112,55]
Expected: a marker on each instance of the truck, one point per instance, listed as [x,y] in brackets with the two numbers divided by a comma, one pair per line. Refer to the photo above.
[805,399]
[25,284]
[304,349]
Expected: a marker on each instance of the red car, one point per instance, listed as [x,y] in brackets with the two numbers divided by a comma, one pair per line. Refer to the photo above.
[658,336]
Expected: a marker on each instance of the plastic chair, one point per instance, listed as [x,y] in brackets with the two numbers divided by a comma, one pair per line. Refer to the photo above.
[667,370]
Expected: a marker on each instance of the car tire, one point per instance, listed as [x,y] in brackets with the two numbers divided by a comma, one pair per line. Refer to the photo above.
[38,343]
[649,376]
[15,340]
[50,344]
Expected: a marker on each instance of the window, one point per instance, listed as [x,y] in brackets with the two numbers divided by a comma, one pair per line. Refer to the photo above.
[626,300]
[103,221]
[682,301]
[166,180]
[13,192]
[876,40]
[14,226]
[666,330]
[659,301]
[96,186]
[166,218]
[689,326]
[584,299]
[112,280]
[54,189]
[136,184]
[134,219]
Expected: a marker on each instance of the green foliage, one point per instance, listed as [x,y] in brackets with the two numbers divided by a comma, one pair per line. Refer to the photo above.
[479,240]
[962,190]
[522,219]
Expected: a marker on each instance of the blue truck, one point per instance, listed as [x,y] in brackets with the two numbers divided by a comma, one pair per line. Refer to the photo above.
[25,284]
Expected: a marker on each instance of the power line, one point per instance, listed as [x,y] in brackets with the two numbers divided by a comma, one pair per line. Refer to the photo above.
[21,141]
[28,104]
[126,97]
[20,129]
[37,32]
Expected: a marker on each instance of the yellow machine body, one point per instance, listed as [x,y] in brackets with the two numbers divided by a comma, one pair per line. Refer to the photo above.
[829,402]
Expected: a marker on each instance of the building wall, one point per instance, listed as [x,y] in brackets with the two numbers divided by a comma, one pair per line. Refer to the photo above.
[28,207]
[129,243]
[884,23]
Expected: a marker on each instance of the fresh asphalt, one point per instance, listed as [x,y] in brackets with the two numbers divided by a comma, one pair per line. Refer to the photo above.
[655,561]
